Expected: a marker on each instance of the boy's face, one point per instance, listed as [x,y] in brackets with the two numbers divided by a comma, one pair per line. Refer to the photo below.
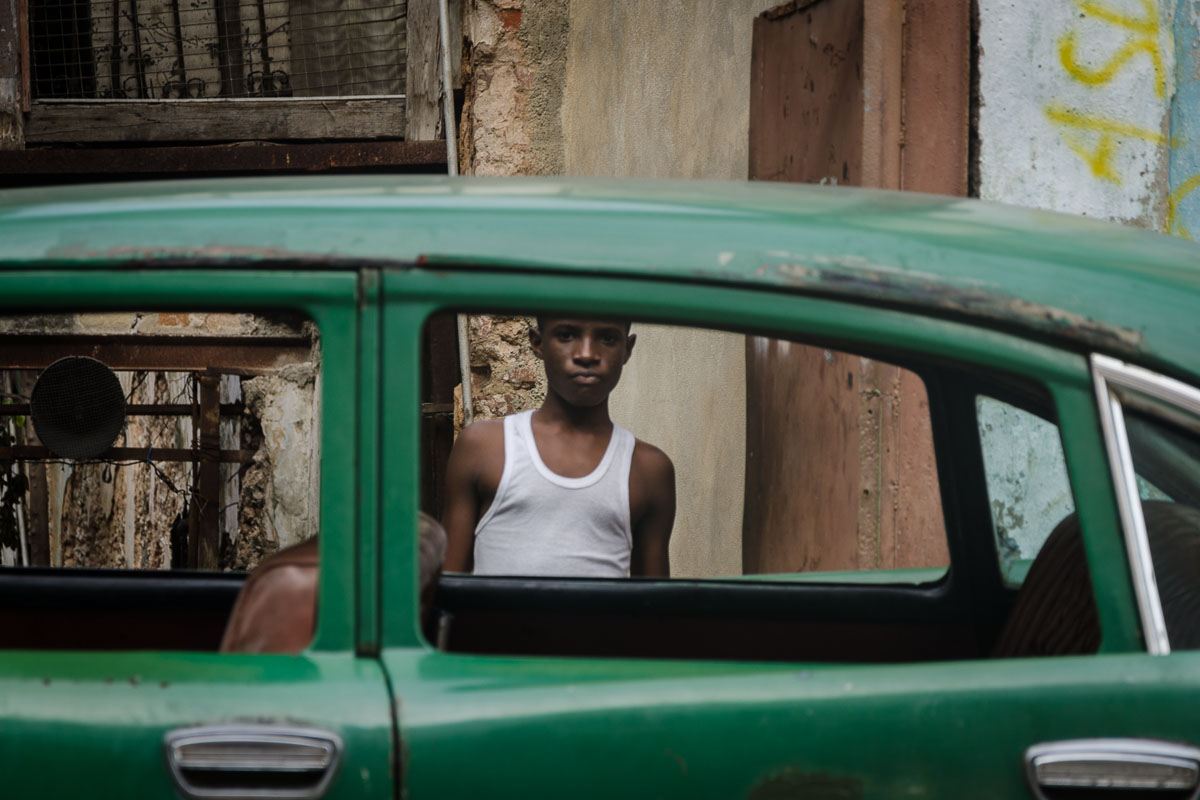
[583,357]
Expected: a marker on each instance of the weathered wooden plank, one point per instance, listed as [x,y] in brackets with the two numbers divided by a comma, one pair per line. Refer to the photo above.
[10,75]
[423,80]
[33,166]
[182,121]
[209,497]
[937,96]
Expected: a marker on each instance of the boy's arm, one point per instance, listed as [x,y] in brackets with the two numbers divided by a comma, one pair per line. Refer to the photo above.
[653,497]
[460,510]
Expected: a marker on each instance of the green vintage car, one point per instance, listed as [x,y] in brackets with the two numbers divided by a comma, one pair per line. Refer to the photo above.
[1042,650]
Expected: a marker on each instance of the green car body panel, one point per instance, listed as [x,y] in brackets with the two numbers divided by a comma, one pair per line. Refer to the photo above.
[1007,290]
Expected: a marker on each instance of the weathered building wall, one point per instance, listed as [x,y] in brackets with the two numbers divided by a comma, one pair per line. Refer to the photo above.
[1087,107]
[513,63]
[1183,203]
[624,89]
[1075,106]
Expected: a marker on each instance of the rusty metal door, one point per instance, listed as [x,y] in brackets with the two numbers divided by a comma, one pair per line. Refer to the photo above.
[839,462]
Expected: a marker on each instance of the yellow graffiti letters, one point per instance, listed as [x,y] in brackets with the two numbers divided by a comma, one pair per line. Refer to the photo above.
[1100,156]
[1105,73]
[1146,24]
[1174,225]
[1145,29]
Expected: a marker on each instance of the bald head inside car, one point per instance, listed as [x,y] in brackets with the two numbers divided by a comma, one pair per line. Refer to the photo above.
[276,609]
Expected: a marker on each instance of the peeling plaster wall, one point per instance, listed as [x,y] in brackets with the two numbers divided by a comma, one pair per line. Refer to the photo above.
[1087,107]
[284,406]
[514,61]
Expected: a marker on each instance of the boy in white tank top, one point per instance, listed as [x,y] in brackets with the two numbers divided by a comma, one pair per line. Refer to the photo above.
[563,490]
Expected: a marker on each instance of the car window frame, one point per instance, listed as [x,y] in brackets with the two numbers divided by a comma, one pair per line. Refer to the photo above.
[1115,383]
[1037,404]
[331,298]
[984,354]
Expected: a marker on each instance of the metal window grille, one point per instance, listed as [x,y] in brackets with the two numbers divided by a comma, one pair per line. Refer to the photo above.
[216,49]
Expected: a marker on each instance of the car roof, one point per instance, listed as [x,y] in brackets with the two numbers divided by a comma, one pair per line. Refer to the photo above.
[1099,285]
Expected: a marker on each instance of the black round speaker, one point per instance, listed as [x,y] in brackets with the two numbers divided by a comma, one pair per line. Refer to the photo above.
[77,407]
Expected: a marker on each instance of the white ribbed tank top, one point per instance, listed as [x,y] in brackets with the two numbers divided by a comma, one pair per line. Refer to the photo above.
[541,523]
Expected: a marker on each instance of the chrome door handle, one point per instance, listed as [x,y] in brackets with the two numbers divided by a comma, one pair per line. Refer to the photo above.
[252,761]
[1123,765]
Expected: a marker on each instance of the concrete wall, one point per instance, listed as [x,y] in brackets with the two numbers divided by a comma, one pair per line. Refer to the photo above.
[627,89]
[1088,107]
[1075,101]
[685,391]
[663,90]
[659,89]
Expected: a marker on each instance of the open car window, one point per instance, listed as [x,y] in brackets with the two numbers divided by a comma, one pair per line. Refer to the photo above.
[150,455]
[1028,489]
[793,462]
[811,523]
[1165,446]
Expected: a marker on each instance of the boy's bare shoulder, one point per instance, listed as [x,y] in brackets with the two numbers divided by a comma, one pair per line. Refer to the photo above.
[651,462]
[481,436]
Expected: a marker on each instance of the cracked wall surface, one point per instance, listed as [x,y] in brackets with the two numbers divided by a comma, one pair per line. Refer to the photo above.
[513,62]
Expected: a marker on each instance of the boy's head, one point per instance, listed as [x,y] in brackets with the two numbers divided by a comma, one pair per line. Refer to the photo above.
[583,357]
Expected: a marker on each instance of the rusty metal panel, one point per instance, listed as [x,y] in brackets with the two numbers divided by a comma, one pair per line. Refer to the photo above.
[840,472]
[802,468]
[937,96]
[208,481]
[22,166]
[224,355]
[806,110]
[440,376]
[38,452]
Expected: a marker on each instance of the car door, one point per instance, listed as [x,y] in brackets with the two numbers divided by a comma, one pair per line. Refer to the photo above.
[107,721]
[525,724]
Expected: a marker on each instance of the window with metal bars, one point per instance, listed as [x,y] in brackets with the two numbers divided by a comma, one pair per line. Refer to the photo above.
[216,49]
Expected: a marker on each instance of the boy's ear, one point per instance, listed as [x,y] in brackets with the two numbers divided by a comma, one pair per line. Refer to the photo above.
[535,340]
[630,341]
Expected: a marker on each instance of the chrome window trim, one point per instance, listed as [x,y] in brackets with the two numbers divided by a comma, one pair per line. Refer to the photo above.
[1109,375]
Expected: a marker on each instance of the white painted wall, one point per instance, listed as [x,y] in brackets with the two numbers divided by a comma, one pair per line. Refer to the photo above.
[1075,100]
[1075,116]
